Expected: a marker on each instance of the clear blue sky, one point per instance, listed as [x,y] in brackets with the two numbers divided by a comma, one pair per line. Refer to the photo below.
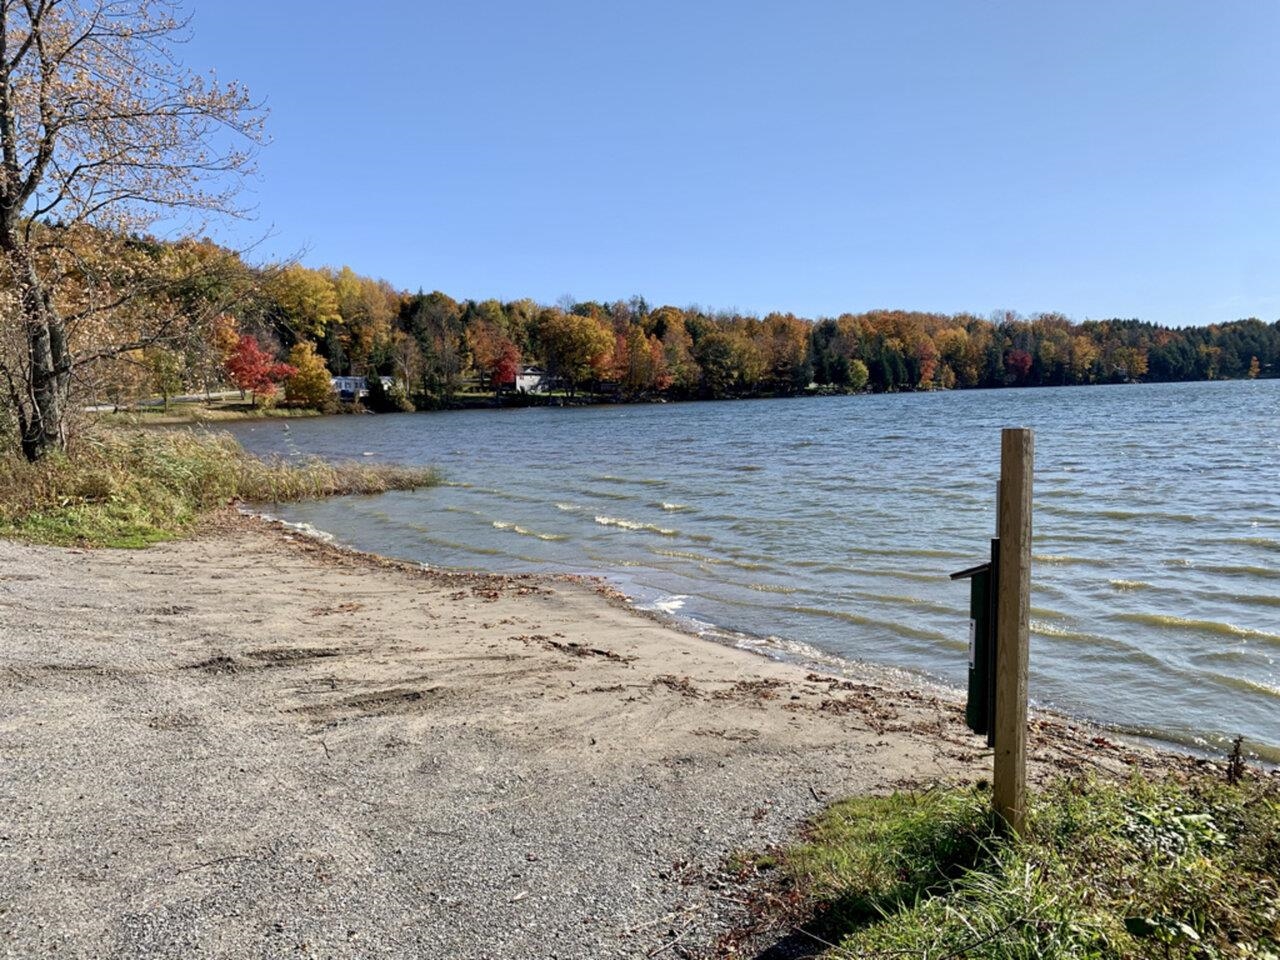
[1100,158]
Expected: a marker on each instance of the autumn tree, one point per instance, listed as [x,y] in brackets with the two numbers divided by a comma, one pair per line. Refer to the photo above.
[309,385]
[679,366]
[435,322]
[367,309]
[165,372]
[495,355]
[1018,365]
[640,363]
[306,300]
[576,346]
[254,370]
[784,343]
[101,129]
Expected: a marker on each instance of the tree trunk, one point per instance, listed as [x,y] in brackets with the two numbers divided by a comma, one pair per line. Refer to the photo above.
[43,406]
[40,385]
[42,414]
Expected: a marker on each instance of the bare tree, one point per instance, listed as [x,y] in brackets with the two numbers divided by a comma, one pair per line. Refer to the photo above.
[103,132]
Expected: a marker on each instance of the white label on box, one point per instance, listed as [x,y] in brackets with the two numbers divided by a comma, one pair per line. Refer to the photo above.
[973,642]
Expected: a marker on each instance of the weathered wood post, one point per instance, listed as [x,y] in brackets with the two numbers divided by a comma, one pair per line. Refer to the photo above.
[1017,456]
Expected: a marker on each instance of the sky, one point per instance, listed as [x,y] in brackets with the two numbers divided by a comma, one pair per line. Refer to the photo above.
[1099,157]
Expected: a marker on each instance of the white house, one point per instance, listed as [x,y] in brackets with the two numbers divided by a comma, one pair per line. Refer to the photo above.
[532,380]
[355,388]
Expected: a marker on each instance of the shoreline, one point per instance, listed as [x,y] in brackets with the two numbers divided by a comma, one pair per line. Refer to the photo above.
[254,743]
[890,678]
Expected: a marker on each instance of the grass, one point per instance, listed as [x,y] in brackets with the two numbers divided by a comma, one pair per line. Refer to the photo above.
[131,488]
[216,411]
[1143,869]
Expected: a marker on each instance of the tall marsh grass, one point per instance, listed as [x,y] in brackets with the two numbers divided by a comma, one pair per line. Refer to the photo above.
[131,488]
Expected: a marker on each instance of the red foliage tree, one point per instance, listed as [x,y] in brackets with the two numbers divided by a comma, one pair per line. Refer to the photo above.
[495,354]
[1018,364]
[253,369]
[507,365]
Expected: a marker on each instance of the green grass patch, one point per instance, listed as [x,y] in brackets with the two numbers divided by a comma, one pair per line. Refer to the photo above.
[1143,869]
[130,488]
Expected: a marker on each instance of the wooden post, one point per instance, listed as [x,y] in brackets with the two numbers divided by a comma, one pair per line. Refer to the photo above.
[1017,457]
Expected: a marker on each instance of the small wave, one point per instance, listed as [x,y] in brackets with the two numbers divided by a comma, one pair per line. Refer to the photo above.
[453,508]
[1079,538]
[454,545]
[928,553]
[1046,629]
[1110,647]
[1148,515]
[1245,685]
[713,561]
[1062,559]
[892,574]
[1243,570]
[507,495]
[746,468]
[1213,627]
[306,529]
[1118,514]
[604,494]
[526,532]
[568,507]
[770,588]
[917,633]
[636,525]
[1056,492]
[919,602]
[1262,543]
[1257,599]
[629,481]
[1216,742]
[1048,614]
[669,604]
[613,561]
[673,507]
[1130,584]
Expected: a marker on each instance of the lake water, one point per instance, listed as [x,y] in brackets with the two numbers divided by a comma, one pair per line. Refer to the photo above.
[831,525]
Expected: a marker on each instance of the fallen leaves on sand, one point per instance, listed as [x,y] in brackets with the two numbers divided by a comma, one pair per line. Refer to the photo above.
[573,649]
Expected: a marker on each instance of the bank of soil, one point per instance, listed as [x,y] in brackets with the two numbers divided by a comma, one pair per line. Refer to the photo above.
[249,744]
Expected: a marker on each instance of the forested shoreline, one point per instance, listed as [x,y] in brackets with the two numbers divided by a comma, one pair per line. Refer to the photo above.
[259,327]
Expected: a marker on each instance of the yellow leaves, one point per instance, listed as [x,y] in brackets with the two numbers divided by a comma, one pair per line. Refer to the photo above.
[577,346]
[306,298]
[309,384]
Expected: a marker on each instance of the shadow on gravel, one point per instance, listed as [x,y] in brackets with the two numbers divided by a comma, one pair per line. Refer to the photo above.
[795,946]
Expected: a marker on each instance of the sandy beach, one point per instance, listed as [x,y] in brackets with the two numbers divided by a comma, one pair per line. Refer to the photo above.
[251,744]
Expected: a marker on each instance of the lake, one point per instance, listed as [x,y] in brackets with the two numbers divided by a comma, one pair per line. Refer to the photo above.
[827,527]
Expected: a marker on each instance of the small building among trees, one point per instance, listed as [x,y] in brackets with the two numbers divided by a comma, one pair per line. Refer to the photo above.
[356,388]
[532,380]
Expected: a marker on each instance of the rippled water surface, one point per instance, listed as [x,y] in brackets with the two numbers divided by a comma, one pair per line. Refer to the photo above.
[834,523]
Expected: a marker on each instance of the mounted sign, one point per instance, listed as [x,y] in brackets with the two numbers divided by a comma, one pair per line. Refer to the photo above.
[980,708]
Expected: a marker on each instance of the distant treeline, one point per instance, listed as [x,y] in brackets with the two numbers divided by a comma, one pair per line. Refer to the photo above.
[436,348]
